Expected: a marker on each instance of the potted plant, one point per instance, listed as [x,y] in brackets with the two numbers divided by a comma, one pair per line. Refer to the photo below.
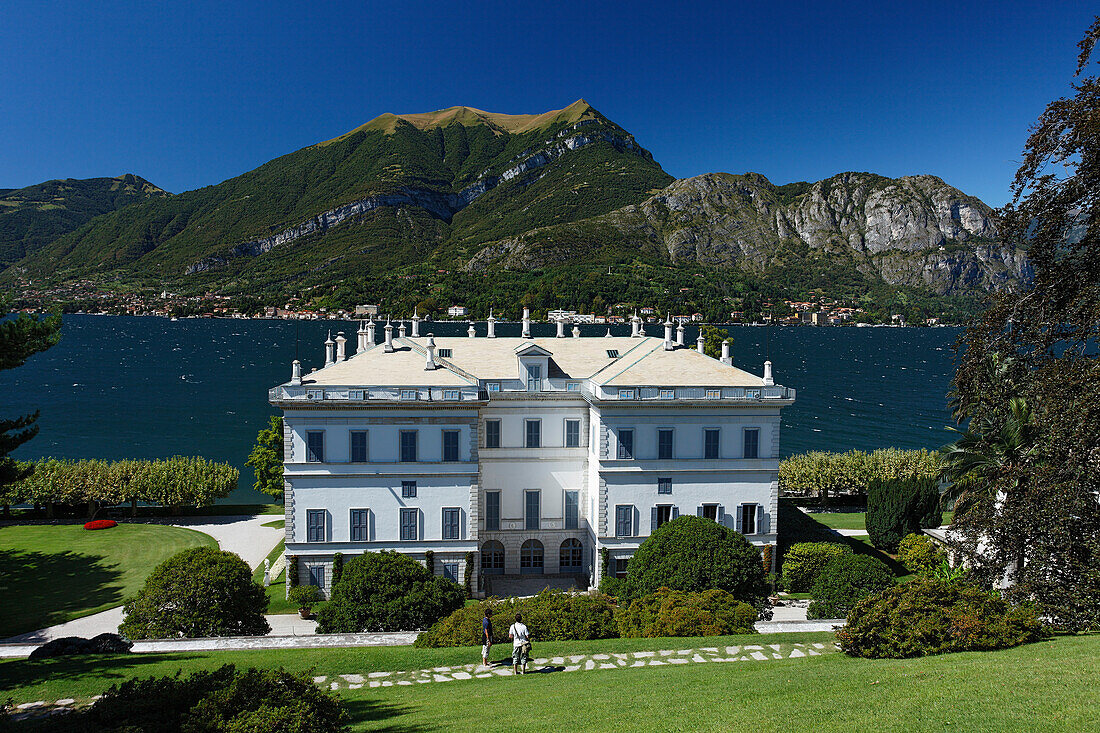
[304,596]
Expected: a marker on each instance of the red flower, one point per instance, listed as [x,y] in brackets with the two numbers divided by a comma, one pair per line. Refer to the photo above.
[101,524]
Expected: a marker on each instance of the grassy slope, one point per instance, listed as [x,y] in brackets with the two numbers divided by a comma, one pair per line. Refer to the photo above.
[854,520]
[50,574]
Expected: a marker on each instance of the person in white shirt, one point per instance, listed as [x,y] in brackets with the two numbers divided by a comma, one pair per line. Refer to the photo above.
[521,645]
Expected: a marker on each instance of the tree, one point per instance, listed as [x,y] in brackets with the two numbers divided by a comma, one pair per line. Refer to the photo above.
[697,554]
[20,339]
[266,458]
[845,581]
[199,592]
[899,507]
[712,339]
[1038,345]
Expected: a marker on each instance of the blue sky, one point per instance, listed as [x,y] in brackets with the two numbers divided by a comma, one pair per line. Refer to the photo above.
[190,95]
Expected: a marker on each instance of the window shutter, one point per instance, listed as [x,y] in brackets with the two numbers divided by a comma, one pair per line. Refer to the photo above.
[721,515]
[699,510]
[737,518]
[652,519]
[760,529]
[461,524]
[675,512]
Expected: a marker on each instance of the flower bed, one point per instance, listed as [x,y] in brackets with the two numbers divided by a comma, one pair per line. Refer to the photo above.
[101,524]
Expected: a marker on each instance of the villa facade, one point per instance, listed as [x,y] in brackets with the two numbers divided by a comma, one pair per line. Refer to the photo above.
[523,456]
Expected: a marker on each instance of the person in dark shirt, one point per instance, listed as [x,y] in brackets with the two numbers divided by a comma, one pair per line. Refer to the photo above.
[486,636]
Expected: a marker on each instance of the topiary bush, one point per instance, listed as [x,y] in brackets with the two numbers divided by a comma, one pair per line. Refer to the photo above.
[304,596]
[920,555]
[844,582]
[695,554]
[199,592]
[804,561]
[223,700]
[677,613]
[387,591]
[929,616]
[552,615]
[899,507]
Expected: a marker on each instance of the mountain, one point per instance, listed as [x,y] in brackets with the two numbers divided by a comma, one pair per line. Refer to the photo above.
[32,217]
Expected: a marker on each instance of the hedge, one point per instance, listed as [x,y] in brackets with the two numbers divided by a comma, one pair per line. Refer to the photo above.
[804,561]
[844,582]
[823,474]
[920,555]
[900,507]
[676,613]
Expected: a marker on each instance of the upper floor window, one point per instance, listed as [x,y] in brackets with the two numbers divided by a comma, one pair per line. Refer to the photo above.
[315,525]
[573,386]
[492,511]
[450,445]
[358,446]
[626,444]
[711,442]
[533,434]
[315,394]
[408,489]
[408,394]
[452,523]
[664,443]
[408,446]
[663,514]
[572,509]
[534,377]
[492,386]
[532,501]
[713,394]
[624,520]
[752,443]
[409,524]
[356,394]
[572,433]
[668,394]
[710,511]
[315,446]
[626,394]
[492,433]
[748,519]
[664,485]
[360,525]
[451,394]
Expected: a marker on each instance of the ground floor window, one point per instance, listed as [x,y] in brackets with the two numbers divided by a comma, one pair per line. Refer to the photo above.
[710,511]
[748,519]
[571,556]
[450,570]
[492,558]
[620,566]
[316,575]
[530,557]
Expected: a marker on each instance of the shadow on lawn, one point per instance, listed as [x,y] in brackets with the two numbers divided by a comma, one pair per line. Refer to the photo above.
[46,588]
[797,526]
[375,711]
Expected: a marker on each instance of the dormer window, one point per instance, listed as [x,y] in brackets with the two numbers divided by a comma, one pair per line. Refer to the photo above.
[315,394]
[612,353]
[450,394]
[668,394]
[573,386]
[492,386]
[534,377]
[408,394]
[445,353]
[714,394]
[626,394]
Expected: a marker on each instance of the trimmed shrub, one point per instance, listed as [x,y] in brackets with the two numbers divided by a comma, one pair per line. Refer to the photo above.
[304,596]
[552,615]
[337,566]
[614,587]
[804,561]
[929,616]
[676,613]
[899,507]
[198,592]
[223,700]
[101,524]
[920,555]
[844,582]
[696,554]
[387,591]
[72,645]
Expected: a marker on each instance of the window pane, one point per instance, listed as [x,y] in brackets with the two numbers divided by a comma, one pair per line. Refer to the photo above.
[531,515]
[492,433]
[626,444]
[534,434]
[572,509]
[664,444]
[572,433]
[316,447]
[492,511]
[664,485]
[317,575]
[408,446]
[752,442]
[534,378]
[748,519]
[359,446]
[710,511]
[408,489]
[710,444]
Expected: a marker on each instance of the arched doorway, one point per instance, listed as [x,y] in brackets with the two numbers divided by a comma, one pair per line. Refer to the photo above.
[530,558]
[492,558]
[571,556]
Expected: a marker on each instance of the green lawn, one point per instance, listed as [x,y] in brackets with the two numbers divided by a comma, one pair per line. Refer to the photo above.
[1053,685]
[50,574]
[277,524]
[276,592]
[855,520]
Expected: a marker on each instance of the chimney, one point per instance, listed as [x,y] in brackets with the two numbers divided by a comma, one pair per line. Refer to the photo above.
[768,379]
[416,325]
[295,372]
[700,344]
[429,360]
[401,330]
[370,331]
[669,346]
[608,334]
[680,334]
[341,347]
[471,332]
[726,353]
[526,323]
[561,327]
[635,322]
[576,331]
[389,336]
[330,347]
[492,325]
[361,344]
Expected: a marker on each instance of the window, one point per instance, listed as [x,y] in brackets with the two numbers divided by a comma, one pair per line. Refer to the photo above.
[530,557]
[315,394]
[358,446]
[662,514]
[360,525]
[409,523]
[612,353]
[532,501]
[492,558]
[710,511]
[315,525]
[408,394]
[451,524]
[664,443]
[492,433]
[572,433]
[356,394]
[668,394]
[492,386]
[533,435]
[626,394]
[572,509]
[408,489]
[711,438]
[445,353]
[570,556]
[624,520]
[664,485]
[534,377]
[573,386]
[492,511]
[752,394]
[450,445]
[620,566]
[752,443]
[714,394]
[315,442]
[626,444]
[748,519]
[450,571]
[408,446]
[316,575]
[451,394]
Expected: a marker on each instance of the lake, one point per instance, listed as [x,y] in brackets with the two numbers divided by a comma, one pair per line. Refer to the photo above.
[130,387]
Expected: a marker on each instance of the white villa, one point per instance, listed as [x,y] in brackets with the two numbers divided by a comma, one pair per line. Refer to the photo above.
[524,455]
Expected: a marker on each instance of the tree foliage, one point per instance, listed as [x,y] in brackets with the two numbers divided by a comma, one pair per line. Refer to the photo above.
[844,582]
[199,592]
[1031,516]
[266,458]
[900,507]
[677,613]
[824,474]
[804,561]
